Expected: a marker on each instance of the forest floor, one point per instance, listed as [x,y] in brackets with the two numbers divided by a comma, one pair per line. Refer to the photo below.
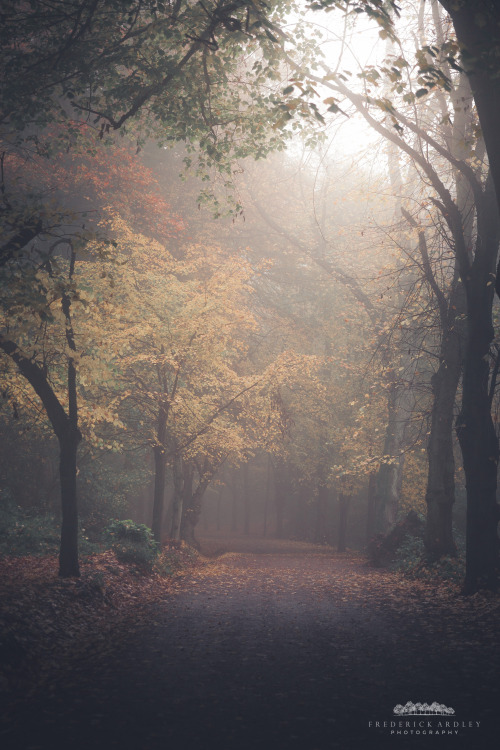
[268,645]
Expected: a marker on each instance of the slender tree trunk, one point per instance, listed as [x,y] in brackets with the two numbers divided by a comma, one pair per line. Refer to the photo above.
[160,467]
[178,497]
[190,518]
[301,515]
[234,509]
[219,501]
[280,493]
[69,439]
[390,474]
[159,491]
[280,510]
[268,494]
[193,501]
[320,531]
[68,552]
[246,500]
[370,512]
[191,510]
[343,513]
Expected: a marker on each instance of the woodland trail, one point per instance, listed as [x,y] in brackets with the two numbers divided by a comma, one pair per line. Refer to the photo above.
[276,651]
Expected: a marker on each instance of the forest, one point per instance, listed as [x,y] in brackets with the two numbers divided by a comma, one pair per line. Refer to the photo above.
[249,373]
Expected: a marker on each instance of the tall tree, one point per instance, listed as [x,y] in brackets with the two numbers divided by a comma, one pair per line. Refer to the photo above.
[473,191]
[47,300]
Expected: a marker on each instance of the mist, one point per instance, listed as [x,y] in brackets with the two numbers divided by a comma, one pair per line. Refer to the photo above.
[249,358]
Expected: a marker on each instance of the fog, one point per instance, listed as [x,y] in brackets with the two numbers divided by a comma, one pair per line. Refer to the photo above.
[249,360]
[256,320]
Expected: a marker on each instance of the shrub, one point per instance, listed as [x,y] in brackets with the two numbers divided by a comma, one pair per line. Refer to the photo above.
[174,558]
[411,560]
[384,548]
[410,556]
[132,543]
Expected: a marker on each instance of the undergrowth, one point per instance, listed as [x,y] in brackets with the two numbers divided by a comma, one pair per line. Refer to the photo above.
[174,558]
[30,532]
[132,543]
[411,560]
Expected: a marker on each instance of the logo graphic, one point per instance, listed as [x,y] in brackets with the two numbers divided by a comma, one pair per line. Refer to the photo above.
[424,719]
[423,709]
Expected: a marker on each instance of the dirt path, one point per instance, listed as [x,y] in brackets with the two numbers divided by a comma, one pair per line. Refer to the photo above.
[277,651]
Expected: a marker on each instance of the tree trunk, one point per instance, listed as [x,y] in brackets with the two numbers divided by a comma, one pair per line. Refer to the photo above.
[177,501]
[390,474]
[188,525]
[159,491]
[268,493]
[160,466]
[280,493]
[191,510]
[370,511]
[440,492]
[190,518]
[219,501]
[343,513]
[320,531]
[280,509]
[193,500]
[246,501]
[68,553]
[65,426]
[301,514]
[479,444]
[234,509]
[475,429]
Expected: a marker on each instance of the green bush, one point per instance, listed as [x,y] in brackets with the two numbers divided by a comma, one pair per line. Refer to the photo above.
[411,560]
[132,543]
[410,556]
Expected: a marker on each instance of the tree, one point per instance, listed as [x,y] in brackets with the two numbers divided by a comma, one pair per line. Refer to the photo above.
[34,366]
[176,72]
[176,328]
[43,294]
[193,495]
[473,188]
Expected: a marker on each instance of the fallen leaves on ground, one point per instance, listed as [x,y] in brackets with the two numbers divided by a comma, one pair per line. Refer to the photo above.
[47,621]
[44,618]
[298,614]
